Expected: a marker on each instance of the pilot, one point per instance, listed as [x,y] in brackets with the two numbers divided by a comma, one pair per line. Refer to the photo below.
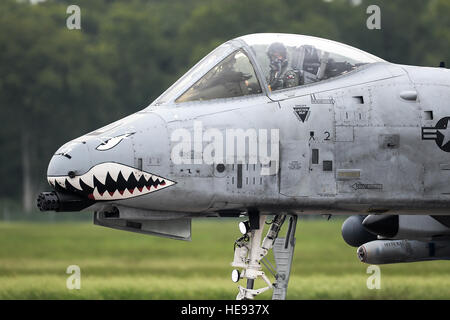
[279,76]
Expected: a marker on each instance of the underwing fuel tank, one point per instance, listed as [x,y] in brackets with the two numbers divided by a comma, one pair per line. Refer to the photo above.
[354,233]
[414,227]
[397,251]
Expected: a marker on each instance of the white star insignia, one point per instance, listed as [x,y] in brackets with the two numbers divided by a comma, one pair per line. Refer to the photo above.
[446,134]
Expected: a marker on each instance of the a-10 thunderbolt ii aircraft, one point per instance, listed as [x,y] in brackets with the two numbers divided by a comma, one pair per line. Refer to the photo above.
[276,125]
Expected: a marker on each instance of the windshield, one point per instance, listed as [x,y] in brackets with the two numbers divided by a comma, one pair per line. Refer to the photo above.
[294,60]
[195,72]
[232,77]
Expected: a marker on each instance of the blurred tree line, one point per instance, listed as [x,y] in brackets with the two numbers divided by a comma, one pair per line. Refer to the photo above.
[57,84]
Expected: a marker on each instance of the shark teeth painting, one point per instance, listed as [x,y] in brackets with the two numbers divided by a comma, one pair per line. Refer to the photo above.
[111,181]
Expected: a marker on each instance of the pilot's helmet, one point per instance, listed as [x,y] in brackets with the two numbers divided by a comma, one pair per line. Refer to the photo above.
[277,53]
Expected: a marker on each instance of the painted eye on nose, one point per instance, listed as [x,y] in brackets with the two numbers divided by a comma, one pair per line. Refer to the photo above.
[112,142]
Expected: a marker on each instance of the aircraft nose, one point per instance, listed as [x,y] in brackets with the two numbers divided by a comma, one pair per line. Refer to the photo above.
[72,166]
[114,162]
[126,159]
[71,159]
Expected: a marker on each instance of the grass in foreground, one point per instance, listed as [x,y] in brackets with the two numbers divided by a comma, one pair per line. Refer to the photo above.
[120,265]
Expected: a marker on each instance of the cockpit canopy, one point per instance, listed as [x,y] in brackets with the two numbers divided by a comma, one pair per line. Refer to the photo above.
[233,77]
[264,63]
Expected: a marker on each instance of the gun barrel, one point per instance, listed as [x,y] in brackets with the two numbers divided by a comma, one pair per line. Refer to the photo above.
[61,202]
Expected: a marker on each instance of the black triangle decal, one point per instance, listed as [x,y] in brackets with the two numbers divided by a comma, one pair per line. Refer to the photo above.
[301,113]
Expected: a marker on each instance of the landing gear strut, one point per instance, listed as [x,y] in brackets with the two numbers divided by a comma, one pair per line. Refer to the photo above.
[249,253]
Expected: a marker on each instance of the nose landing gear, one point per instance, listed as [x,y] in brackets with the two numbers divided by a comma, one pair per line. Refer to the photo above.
[249,253]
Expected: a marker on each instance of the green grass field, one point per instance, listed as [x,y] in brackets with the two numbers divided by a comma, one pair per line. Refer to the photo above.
[121,265]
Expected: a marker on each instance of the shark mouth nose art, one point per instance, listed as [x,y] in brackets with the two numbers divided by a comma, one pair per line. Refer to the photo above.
[110,181]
